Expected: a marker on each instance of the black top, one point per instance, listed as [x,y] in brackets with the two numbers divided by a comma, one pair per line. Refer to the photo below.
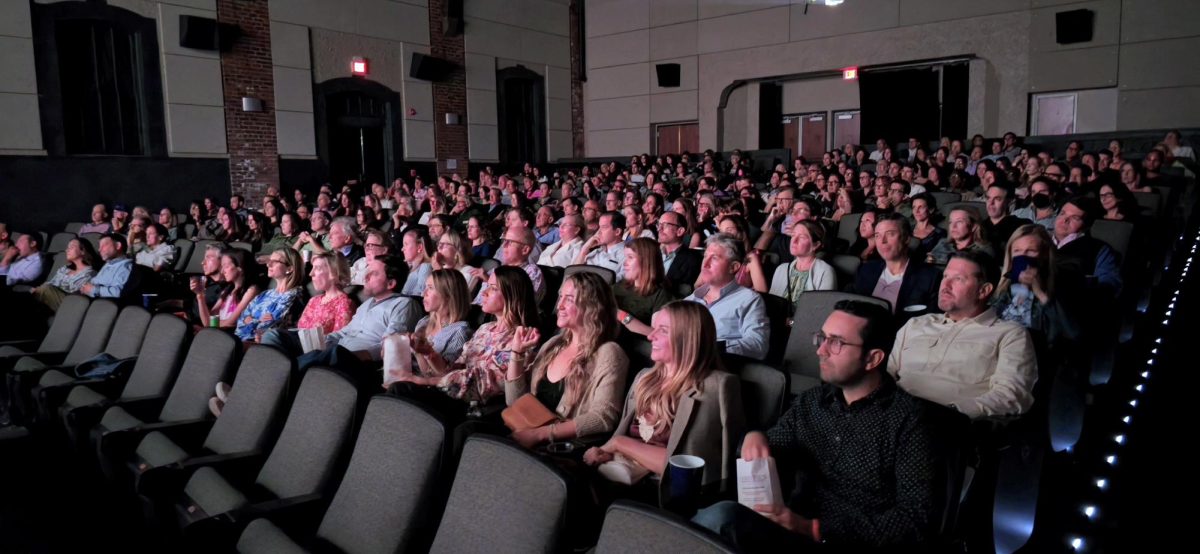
[868,469]
[549,394]
[997,234]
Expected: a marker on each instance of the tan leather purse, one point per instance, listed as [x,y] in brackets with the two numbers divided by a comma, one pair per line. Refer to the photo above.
[527,413]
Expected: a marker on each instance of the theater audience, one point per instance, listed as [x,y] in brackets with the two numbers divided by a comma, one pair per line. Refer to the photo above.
[861,444]
[238,290]
[316,239]
[739,312]
[99,222]
[579,373]
[376,244]
[289,233]
[274,307]
[896,277]
[966,234]
[685,404]
[606,248]
[22,263]
[1118,202]
[864,245]
[564,252]
[682,264]
[453,252]
[1000,224]
[925,229]
[514,252]
[158,254]
[967,358]
[438,339]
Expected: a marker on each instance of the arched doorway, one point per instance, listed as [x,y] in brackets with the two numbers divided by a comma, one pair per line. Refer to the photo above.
[521,99]
[358,134]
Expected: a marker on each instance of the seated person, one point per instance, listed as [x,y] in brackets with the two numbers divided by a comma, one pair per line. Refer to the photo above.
[99,222]
[478,375]
[22,264]
[967,358]
[158,254]
[206,289]
[343,240]
[642,289]
[79,269]
[739,312]
[316,239]
[415,246]
[376,244]
[875,488]
[544,229]
[924,209]
[896,277]
[1041,208]
[1027,296]
[514,252]
[605,248]
[580,373]
[274,307]
[806,272]
[359,344]
[685,404]
[289,233]
[864,246]
[478,235]
[682,264]
[1088,261]
[111,279]
[330,309]
[238,290]
[965,234]
[570,243]
[1000,224]
[438,339]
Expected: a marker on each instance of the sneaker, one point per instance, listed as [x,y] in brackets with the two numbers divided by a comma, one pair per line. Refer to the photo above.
[215,405]
[223,392]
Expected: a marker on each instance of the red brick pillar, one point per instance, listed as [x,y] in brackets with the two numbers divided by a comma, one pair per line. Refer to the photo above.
[449,95]
[246,72]
[577,141]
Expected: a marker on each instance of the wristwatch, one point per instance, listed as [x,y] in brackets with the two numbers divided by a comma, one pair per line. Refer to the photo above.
[628,317]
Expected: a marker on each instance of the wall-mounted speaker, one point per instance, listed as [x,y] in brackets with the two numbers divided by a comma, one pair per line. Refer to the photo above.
[1073,26]
[428,68]
[203,33]
[668,74]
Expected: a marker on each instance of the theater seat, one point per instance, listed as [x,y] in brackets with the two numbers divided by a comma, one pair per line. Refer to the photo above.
[800,357]
[633,527]
[609,275]
[504,499]
[58,339]
[386,499]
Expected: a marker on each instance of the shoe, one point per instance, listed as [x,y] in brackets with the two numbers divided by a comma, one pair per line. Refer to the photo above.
[223,392]
[215,405]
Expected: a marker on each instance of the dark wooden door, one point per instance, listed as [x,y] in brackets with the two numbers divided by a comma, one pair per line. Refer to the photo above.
[791,135]
[846,128]
[678,138]
[813,136]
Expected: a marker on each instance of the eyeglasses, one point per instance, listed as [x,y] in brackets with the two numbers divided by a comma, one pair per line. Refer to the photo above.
[1107,195]
[835,343]
[662,223]
[280,262]
[373,246]
[507,242]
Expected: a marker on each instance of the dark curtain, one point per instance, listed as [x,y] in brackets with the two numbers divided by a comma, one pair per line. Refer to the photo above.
[899,104]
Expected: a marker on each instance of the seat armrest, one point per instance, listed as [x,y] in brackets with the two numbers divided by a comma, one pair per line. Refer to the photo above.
[121,441]
[158,482]
[143,407]
[219,533]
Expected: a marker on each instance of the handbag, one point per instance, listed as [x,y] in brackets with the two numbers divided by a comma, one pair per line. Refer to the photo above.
[527,413]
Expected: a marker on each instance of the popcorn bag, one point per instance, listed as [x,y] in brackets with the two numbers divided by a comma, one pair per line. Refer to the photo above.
[758,483]
[397,358]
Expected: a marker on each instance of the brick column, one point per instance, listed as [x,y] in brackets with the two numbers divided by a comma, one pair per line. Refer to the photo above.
[577,136]
[449,95]
[246,72]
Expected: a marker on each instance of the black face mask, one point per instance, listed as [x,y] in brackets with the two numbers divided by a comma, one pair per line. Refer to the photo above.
[1041,201]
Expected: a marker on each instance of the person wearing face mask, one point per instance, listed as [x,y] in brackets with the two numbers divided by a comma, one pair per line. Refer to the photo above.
[1041,208]
[1026,293]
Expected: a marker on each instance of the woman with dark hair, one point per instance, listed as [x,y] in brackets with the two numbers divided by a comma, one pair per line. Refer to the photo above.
[364,218]
[273,210]
[1119,204]
[289,231]
[237,268]
[579,373]
[864,245]
[848,201]
[924,209]
[158,253]
[687,208]
[805,273]
[685,404]
[228,227]
[258,231]
[480,374]
[643,288]
[79,269]
[346,207]
[479,237]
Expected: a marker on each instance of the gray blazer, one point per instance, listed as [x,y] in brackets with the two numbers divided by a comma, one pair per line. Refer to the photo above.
[708,424]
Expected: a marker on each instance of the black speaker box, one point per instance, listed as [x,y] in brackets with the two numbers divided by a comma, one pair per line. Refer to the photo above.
[1073,26]
[668,74]
[428,68]
[203,33]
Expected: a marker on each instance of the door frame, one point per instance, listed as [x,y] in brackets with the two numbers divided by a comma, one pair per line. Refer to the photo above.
[800,138]
[654,127]
[393,146]
[833,117]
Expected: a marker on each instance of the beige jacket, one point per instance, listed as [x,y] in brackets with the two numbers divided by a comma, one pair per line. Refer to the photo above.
[600,405]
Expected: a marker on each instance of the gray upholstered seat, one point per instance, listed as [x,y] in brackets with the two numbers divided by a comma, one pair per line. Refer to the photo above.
[504,499]
[62,332]
[386,492]
[303,460]
[764,393]
[632,527]
[607,274]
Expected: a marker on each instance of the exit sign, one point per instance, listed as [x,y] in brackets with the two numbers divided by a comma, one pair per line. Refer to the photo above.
[850,73]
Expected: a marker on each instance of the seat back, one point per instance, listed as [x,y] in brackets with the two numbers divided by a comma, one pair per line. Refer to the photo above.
[944,198]
[318,426]
[67,321]
[800,358]
[532,491]
[385,496]
[489,265]
[846,267]
[415,311]
[633,527]
[1150,202]
[59,242]
[93,238]
[779,312]
[1116,234]
[57,262]
[608,275]
[93,333]
[847,230]
[183,254]
[255,404]
[764,392]
[208,361]
[159,359]
[73,227]
[128,332]
[979,207]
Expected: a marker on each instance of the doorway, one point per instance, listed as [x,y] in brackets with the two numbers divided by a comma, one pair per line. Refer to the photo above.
[925,102]
[677,138]
[521,111]
[359,132]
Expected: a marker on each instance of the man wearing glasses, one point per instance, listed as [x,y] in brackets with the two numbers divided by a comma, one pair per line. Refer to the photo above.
[376,245]
[681,263]
[515,248]
[863,446]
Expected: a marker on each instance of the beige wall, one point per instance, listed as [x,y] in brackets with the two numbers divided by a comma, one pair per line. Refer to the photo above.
[500,34]
[20,126]
[1144,48]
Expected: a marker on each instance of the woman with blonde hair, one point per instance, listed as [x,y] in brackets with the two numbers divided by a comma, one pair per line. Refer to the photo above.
[685,404]
[1026,294]
[274,307]
[438,339]
[452,252]
[579,373]
[643,288]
